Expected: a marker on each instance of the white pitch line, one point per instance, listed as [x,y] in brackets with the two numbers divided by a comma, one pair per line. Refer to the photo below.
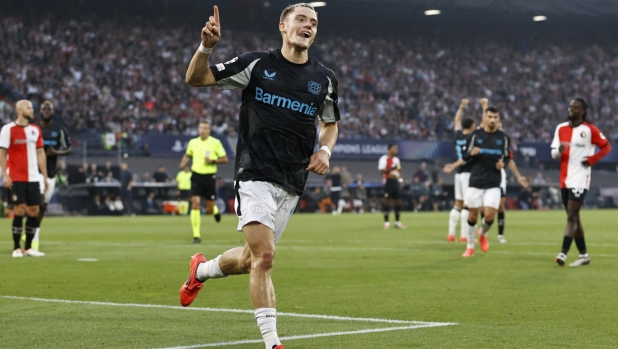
[223,310]
[317,335]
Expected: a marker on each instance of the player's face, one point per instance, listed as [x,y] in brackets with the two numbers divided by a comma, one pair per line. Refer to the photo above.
[28,111]
[394,150]
[576,110]
[491,120]
[300,28]
[204,129]
[47,112]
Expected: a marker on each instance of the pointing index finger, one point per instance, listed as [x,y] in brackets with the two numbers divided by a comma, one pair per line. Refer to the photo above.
[216,15]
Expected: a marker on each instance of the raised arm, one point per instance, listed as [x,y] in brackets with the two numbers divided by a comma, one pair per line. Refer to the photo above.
[484,105]
[199,73]
[459,114]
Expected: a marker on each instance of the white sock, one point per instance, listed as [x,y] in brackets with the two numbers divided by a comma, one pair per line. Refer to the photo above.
[471,235]
[486,227]
[464,223]
[209,270]
[36,235]
[452,220]
[267,322]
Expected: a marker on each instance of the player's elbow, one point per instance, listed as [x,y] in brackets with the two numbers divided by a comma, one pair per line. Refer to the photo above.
[555,154]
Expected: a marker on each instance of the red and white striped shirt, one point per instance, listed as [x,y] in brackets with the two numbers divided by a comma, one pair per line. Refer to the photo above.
[580,145]
[21,143]
[392,166]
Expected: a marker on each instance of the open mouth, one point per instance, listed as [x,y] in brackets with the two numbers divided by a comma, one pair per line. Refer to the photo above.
[305,34]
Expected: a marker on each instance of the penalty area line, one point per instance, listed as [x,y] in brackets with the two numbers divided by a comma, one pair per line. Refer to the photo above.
[317,335]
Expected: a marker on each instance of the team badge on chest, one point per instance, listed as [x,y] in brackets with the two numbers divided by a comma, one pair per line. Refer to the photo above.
[315,87]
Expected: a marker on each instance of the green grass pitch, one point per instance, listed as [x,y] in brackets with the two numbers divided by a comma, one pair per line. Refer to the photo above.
[515,296]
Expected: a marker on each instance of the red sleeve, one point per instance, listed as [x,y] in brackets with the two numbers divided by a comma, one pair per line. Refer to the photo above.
[600,141]
[39,142]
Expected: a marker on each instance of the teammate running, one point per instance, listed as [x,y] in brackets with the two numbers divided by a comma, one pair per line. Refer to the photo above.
[390,167]
[56,143]
[463,128]
[488,151]
[574,144]
[284,91]
[21,158]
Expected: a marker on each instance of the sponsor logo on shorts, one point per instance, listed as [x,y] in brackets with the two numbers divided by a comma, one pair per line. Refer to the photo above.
[257,208]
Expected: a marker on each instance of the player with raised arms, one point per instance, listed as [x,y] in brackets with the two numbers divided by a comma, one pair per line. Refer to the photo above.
[574,144]
[463,128]
[284,92]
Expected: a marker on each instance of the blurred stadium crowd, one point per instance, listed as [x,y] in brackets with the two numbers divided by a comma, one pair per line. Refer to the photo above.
[121,77]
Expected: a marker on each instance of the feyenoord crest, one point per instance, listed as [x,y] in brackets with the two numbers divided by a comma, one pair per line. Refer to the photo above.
[315,88]
[583,135]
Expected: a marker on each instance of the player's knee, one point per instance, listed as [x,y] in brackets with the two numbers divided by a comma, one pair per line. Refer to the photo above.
[573,217]
[265,261]
[33,211]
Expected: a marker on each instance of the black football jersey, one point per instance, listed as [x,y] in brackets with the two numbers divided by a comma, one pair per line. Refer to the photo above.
[494,146]
[280,103]
[54,136]
[460,142]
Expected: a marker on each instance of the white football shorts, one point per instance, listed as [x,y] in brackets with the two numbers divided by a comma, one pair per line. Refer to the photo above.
[462,181]
[266,203]
[476,198]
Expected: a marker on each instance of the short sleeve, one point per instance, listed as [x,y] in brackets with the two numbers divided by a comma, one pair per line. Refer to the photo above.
[236,73]
[382,163]
[598,138]
[220,151]
[5,137]
[39,141]
[190,148]
[329,110]
[65,140]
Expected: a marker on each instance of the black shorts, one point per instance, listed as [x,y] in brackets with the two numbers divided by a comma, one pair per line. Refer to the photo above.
[185,194]
[204,185]
[28,193]
[391,189]
[573,194]
[335,196]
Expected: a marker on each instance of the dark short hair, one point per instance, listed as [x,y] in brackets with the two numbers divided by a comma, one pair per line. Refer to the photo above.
[286,11]
[467,123]
[391,145]
[493,110]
